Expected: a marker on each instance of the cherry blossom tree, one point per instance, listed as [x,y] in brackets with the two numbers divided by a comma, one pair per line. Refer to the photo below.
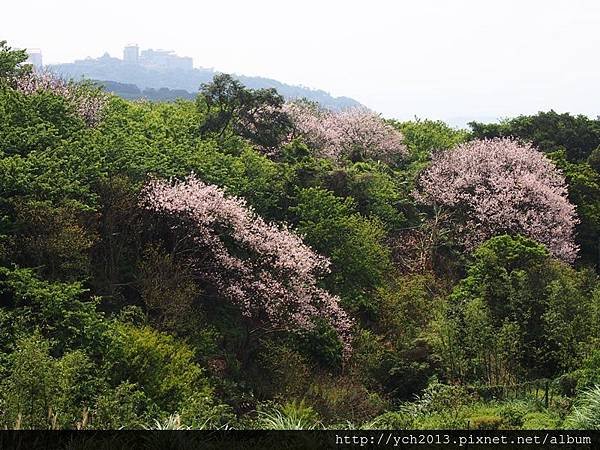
[264,269]
[362,133]
[355,133]
[309,122]
[86,101]
[501,186]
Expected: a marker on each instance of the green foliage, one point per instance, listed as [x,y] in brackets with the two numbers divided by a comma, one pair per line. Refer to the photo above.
[125,406]
[469,415]
[589,373]
[200,412]
[34,122]
[439,406]
[283,371]
[514,414]
[375,189]
[173,422]
[11,61]
[391,420]
[45,392]
[594,159]
[394,357]
[517,313]
[584,191]
[424,136]
[405,304]
[164,367]
[540,421]
[229,108]
[168,291]
[54,239]
[323,345]
[354,244]
[487,423]
[59,310]
[550,131]
[344,398]
[440,398]
[29,390]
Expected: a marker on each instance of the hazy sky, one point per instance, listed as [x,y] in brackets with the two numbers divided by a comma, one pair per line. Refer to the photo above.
[431,58]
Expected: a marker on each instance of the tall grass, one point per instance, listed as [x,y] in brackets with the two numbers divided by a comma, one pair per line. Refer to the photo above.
[586,414]
[292,416]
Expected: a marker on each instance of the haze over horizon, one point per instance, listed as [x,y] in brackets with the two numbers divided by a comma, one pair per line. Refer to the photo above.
[432,59]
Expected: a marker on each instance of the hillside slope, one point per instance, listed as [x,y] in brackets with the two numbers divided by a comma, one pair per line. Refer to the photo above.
[114,70]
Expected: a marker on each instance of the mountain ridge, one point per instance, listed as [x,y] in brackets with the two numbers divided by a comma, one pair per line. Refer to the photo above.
[114,72]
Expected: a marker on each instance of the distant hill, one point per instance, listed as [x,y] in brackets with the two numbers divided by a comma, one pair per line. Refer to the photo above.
[135,81]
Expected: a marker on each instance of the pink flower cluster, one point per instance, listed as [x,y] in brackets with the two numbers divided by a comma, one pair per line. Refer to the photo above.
[87,103]
[266,270]
[502,186]
[356,131]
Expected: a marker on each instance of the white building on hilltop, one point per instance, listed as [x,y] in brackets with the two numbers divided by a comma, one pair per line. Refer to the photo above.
[34,57]
[156,59]
[131,54]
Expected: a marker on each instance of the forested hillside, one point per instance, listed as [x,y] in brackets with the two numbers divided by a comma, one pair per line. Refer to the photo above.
[134,81]
[239,261]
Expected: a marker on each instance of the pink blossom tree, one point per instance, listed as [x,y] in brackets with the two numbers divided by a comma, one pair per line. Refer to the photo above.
[309,122]
[501,186]
[87,103]
[264,269]
[355,133]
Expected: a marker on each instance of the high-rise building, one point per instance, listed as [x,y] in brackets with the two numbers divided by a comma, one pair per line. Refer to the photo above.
[131,54]
[165,59]
[156,59]
[34,57]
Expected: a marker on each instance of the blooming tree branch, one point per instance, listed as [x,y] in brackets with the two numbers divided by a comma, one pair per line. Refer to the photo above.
[86,102]
[264,269]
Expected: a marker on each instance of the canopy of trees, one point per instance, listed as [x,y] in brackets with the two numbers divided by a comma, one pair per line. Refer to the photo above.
[238,261]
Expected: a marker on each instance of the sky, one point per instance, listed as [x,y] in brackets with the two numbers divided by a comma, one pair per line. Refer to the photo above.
[441,59]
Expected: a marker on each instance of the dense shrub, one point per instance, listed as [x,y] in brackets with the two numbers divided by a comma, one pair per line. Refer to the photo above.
[517,313]
[589,373]
[354,244]
[60,311]
[163,368]
[487,423]
[45,392]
